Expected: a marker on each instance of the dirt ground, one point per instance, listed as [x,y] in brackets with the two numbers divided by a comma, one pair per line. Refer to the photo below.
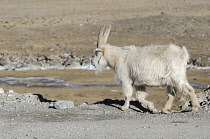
[53,27]
[72,26]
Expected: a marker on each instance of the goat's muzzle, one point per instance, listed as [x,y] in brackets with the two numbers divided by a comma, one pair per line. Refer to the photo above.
[92,62]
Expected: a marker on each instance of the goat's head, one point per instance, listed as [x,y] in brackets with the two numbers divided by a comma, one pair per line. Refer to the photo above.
[99,60]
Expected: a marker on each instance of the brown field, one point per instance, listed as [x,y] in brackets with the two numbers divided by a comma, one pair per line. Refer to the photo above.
[94,94]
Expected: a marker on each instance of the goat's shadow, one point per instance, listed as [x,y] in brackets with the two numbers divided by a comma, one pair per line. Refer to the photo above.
[42,99]
[134,105]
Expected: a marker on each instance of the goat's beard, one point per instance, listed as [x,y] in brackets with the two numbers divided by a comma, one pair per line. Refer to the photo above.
[101,66]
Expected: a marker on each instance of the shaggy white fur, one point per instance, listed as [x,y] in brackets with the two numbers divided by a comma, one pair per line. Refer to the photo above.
[138,67]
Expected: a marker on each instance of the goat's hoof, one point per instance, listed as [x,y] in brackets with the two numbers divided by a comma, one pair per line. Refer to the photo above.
[165,111]
[195,108]
[133,99]
[123,108]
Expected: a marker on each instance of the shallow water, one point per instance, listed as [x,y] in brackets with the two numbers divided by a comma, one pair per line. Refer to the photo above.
[45,82]
[52,82]
[197,86]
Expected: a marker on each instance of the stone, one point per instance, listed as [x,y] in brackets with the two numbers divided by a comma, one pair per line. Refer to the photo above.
[65,55]
[22,68]
[75,64]
[41,58]
[85,62]
[203,99]
[19,65]
[68,62]
[83,104]
[10,92]
[10,66]
[63,104]
[1,91]
[52,57]
[2,68]
[4,60]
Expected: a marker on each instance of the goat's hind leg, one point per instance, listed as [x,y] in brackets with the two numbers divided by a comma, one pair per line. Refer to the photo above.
[141,95]
[190,91]
[171,93]
[128,91]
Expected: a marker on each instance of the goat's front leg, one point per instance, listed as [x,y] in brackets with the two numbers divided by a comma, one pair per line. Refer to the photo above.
[141,95]
[127,91]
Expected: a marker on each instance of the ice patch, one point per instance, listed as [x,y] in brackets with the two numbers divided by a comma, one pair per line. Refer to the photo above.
[202,67]
[86,67]
[89,67]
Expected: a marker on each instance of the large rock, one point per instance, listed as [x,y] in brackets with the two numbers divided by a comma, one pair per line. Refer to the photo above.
[11,97]
[68,62]
[35,62]
[203,99]
[41,58]
[4,60]
[63,105]
[1,91]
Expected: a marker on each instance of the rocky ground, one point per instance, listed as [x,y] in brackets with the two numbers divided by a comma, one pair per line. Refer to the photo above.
[42,62]
[32,116]
[65,61]
[42,34]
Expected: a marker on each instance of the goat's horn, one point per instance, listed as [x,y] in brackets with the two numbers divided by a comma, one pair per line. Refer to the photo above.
[106,34]
[100,36]
[103,36]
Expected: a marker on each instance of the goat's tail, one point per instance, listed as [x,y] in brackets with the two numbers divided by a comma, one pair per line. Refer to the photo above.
[185,55]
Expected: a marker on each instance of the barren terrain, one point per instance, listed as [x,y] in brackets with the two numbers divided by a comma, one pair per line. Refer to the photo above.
[52,27]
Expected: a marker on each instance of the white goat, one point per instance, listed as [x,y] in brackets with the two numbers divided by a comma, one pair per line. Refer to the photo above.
[138,67]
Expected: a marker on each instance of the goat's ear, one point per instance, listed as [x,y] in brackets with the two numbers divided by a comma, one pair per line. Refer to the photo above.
[102,50]
[99,49]
[103,36]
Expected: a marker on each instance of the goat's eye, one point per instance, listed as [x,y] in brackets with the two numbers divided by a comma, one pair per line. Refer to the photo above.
[97,52]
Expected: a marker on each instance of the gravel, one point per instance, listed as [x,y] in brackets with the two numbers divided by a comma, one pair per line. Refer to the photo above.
[29,116]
